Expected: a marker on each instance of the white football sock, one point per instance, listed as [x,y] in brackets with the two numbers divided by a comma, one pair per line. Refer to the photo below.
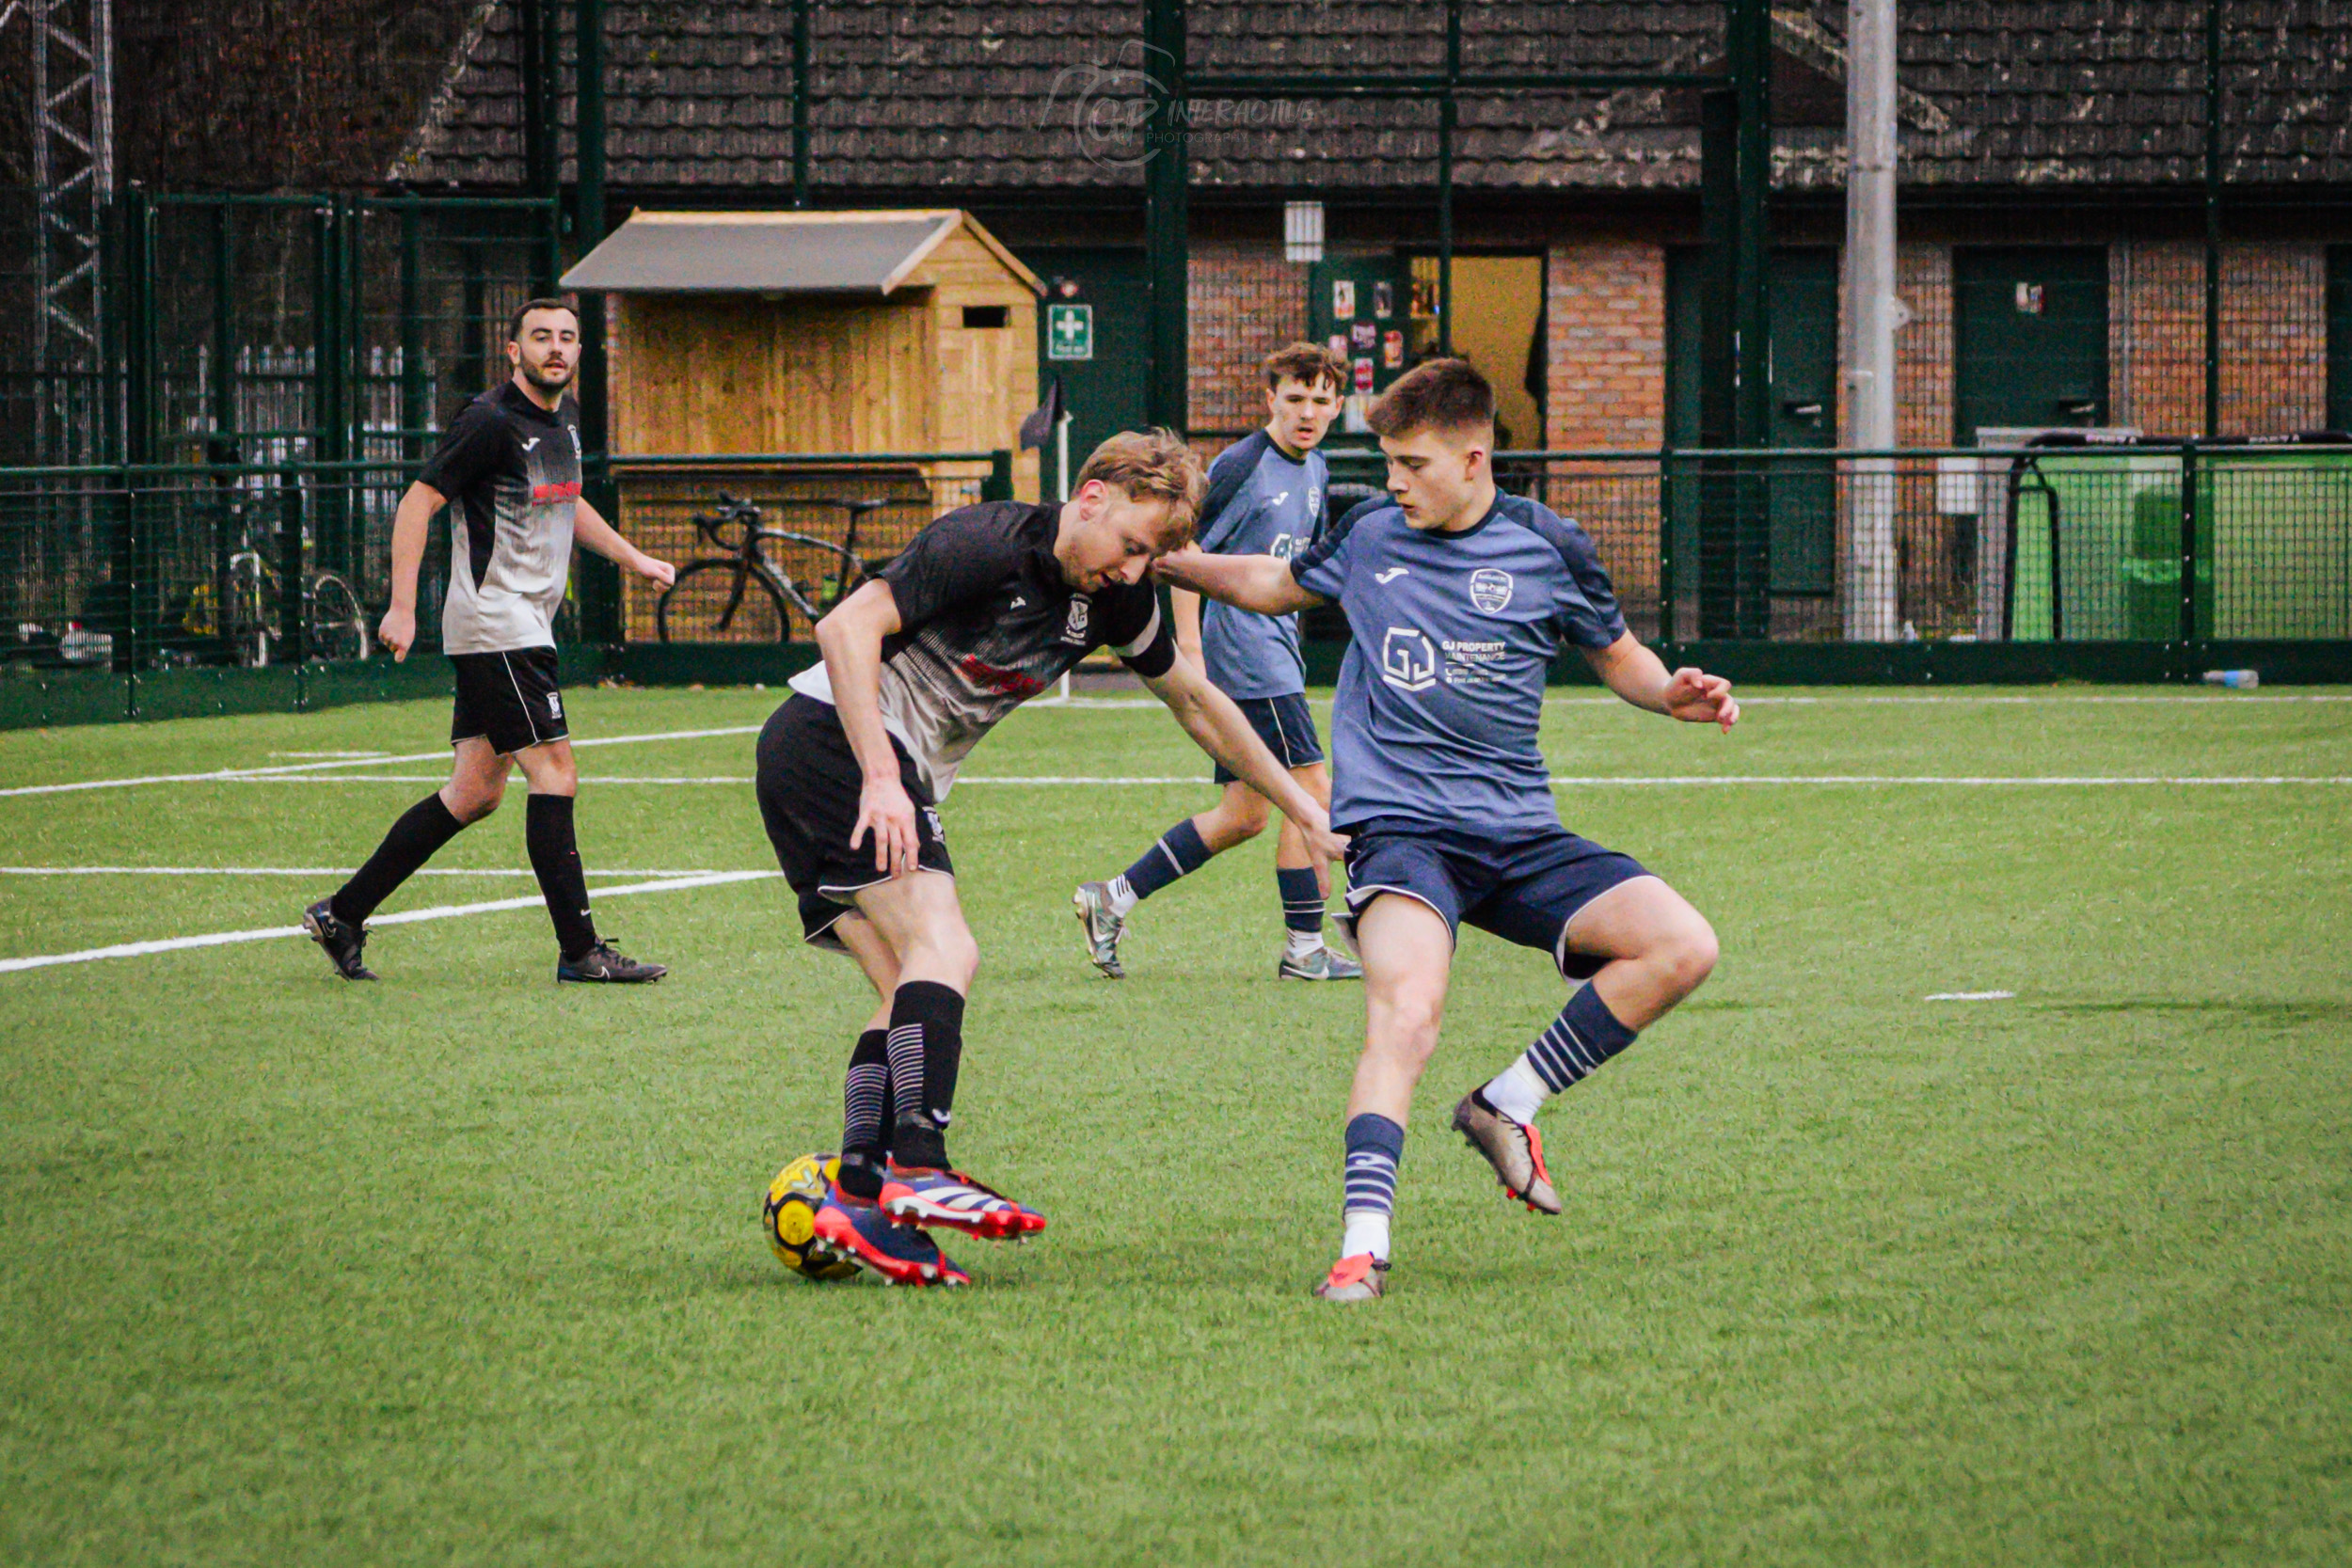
[1517,1091]
[1302,945]
[1123,897]
[1367,1231]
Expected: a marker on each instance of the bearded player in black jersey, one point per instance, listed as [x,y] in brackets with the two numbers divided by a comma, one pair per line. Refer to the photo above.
[988,607]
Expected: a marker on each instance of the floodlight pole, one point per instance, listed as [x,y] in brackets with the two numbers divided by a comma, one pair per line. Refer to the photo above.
[1870,310]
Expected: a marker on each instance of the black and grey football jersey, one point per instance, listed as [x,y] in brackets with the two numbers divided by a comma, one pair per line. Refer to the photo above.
[511,471]
[987,622]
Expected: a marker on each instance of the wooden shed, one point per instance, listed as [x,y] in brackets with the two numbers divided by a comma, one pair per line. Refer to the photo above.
[833,332]
[731,334]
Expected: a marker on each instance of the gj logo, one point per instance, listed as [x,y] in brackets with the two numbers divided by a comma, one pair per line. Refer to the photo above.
[1075,629]
[1409,660]
[1283,547]
[1490,589]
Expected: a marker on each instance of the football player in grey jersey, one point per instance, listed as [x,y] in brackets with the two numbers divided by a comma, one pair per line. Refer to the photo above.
[508,468]
[1457,598]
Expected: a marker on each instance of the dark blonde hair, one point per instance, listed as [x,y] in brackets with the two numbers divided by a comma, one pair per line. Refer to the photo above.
[1437,395]
[1305,362]
[1153,465]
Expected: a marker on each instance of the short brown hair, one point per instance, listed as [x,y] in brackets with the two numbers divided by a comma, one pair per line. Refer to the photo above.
[1437,395]
[1306,363]
[514,322]
[1153,465]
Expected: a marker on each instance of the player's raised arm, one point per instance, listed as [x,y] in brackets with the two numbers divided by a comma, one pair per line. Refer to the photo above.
[1632,672]
[1219,728]
[1262,583]
[851,639]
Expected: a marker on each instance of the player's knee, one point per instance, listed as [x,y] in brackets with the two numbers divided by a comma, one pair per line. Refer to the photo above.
[1409,1019]
[1687,955]
[474,801]
[1248,819]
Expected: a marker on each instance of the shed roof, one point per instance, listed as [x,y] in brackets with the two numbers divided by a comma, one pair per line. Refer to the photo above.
[811,253]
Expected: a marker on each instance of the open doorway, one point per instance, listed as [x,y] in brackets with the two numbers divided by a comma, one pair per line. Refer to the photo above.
[1498,326]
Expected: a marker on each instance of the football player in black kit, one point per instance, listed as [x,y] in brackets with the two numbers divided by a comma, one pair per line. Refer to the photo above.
[508,468]
[988,607]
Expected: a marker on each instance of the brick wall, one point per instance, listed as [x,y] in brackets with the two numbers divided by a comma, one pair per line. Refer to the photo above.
[1605,306]
[1246,302]
[2274,336]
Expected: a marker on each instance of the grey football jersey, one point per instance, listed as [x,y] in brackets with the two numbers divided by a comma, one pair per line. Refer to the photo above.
[511,471]
[986,622]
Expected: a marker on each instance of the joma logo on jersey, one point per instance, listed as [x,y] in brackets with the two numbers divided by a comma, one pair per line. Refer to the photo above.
[1490,589]
[1409,660]
[1074,630]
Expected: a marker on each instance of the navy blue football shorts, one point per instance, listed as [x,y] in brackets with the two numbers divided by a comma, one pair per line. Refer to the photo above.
[1285,726]
[1524,889]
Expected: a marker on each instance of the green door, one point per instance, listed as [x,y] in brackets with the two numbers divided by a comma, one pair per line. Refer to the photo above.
[1093,332]
[2029,336]
[1803,303]
[1363,308]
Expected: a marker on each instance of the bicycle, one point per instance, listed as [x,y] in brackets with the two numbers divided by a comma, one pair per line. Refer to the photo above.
[691,619]
[334,623]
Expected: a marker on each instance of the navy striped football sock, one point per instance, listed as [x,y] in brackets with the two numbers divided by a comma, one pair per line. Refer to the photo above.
[1585,1034]
[1302,901]
[1374,1144]
[1179,853]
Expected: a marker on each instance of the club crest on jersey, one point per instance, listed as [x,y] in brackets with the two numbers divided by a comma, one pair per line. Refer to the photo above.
[1490,589]
[1074,630]
[1409,660]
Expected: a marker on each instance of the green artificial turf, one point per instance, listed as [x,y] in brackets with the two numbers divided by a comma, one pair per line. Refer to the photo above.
[461,1268]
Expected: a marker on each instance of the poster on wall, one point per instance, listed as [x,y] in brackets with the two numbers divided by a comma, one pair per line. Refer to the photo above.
[1363,375]
[1384,299]
[1342,298]
[1392,349]
[1338,345]
[1361,336]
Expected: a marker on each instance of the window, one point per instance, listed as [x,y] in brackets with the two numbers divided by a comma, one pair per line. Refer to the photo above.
[984,317]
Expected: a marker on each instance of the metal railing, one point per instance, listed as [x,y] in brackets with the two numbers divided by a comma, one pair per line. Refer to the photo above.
[122,581]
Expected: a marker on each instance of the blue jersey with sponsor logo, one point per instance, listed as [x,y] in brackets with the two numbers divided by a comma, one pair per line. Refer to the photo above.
[1260,503]
[1442,687]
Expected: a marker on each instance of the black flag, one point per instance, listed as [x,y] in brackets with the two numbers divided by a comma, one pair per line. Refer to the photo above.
[1037,428]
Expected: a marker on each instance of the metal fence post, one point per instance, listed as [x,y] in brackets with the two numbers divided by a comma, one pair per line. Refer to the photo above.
[799,102]
[997,486]
[412,403]
[131,579]
[2189,484]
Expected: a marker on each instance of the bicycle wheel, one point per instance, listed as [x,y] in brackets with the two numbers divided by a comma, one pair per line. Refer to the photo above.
[714,601]
[337,626]
[244,620]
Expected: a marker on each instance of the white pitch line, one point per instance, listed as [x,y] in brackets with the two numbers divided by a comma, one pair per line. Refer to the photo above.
[305,871]
[297,768]
[442,911]
[1973,996]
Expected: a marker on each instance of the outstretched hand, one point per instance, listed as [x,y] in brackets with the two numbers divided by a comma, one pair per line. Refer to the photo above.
[1170,567]
[1696,697]
[653,569]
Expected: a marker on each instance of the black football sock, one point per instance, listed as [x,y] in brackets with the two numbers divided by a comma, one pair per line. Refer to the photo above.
[865,1115]
[423,829]
[926,1047]
[555,859]
[1302,901]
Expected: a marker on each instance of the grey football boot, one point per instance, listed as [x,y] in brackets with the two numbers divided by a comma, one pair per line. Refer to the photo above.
[1324,963]
[1103,928]
[1515,1149]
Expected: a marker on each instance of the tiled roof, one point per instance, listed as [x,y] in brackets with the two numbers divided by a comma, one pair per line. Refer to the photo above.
[941,97]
